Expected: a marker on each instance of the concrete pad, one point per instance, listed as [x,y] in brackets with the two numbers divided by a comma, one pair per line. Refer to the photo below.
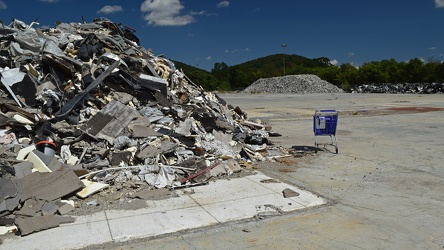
[227,190]
[305,198]
[146,225]
[249,207]
[218,202]
[155,206]
[67,236]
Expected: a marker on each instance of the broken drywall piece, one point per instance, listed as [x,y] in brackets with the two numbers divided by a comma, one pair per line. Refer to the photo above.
[7,229]
[23,153]
[90,188]
[37,162]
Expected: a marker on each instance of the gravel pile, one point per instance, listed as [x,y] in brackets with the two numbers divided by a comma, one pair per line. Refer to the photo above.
[300,84]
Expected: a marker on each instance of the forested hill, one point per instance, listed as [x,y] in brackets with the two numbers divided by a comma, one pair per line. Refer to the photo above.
[345,76]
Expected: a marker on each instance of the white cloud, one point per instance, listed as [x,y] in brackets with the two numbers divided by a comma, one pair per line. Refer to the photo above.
[110,9]
[237,50]
[439,3]
[49,1]
[334,62]
[350,54]
[208,58]
[165,13]
[432,48]
[202,12]
[223,4]
[3,5]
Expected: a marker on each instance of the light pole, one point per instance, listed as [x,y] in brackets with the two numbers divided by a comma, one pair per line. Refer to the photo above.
[283,51]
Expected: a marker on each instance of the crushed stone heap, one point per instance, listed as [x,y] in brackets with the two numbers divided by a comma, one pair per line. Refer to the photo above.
[297,84]
[85,109]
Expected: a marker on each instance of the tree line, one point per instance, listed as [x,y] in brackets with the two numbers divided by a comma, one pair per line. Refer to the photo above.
[346,76]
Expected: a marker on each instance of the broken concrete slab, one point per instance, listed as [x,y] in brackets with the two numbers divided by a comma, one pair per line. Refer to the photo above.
[65,219]
[147,194]
[49,207]
[7,189]
[10,194]
[289,193]
[50,186]
[31,207]
[65,206]
[22,169]
[28,225]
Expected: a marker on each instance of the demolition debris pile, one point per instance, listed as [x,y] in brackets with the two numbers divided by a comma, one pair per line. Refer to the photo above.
[85,108]
[297,84]
[401,88]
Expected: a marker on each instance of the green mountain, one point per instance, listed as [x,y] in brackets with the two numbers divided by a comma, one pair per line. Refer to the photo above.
[345,76]
[224,77]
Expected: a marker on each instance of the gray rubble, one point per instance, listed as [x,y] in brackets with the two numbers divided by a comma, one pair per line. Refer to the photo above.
[401,88]
[297,84]
[85,108]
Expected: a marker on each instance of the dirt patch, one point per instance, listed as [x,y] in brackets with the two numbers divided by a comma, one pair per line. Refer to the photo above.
[415,109]
[390,111]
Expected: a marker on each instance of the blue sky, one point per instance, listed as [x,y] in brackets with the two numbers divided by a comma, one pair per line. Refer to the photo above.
[203,32]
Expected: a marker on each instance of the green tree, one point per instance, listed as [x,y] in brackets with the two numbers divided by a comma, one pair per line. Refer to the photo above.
[347,77]
[414,71]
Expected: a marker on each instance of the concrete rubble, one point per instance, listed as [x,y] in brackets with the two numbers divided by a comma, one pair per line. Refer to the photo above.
[84,107]
[401,88]
[297,84]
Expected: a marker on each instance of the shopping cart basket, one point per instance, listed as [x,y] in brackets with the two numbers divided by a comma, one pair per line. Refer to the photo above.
[324,124]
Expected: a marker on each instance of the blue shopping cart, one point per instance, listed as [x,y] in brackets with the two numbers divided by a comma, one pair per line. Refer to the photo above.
[324,124]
